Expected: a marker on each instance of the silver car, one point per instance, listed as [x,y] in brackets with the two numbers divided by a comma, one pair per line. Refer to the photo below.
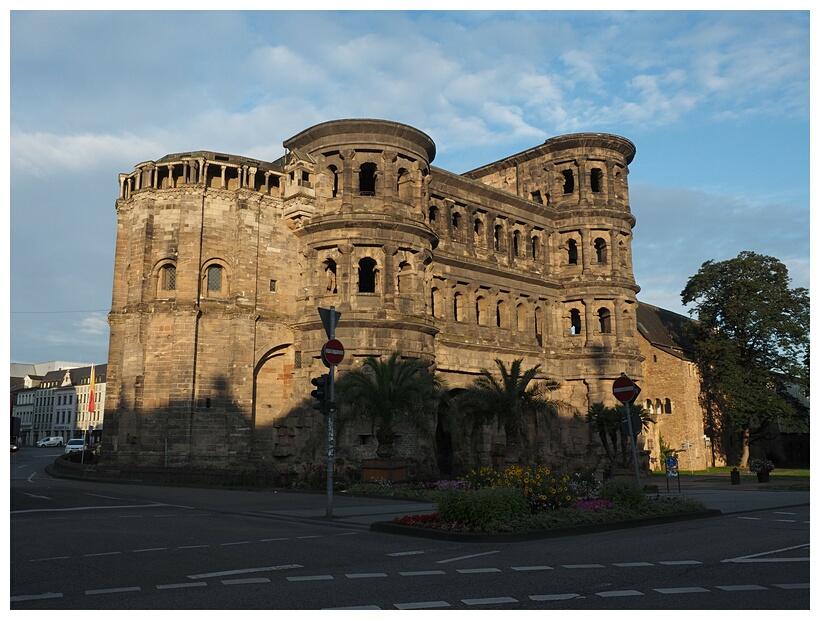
[74,445]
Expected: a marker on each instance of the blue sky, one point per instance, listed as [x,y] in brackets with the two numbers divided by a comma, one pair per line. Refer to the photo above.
[717,104]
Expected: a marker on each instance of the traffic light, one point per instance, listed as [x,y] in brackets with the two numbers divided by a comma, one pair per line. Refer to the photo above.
[321,395]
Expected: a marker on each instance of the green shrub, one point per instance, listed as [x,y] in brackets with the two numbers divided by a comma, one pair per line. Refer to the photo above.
[623,492]
[477,508]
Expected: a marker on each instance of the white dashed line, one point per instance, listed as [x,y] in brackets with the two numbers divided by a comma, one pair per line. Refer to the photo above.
[36,597]
[236,582]
[311,578]
[489,601]
[791,586]
[680,590]
[243,571]
[679,562]
[582,565]
[96,555]
[632,564]
[152,549]
[424,605]
[419,573]
[466,557]
[554,597]
[364,575]
[614,593]
[741,588]
[471,571]
[403,553]
[525,568]
[174,586]
[241,542]
[113,590]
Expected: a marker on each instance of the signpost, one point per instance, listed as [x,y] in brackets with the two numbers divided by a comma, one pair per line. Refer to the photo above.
[625,390]
[332,354]
[672,471]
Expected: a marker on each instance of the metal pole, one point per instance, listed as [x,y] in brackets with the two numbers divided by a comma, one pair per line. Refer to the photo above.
[632,443]
[331,410]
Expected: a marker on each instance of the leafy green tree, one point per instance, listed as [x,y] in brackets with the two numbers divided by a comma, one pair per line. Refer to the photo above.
[387,394]
[750,342]
[515,400]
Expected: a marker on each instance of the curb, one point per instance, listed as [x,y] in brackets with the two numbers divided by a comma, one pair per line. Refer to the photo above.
[387,527]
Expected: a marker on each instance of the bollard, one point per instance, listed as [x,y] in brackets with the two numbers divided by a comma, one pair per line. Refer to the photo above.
[735,474]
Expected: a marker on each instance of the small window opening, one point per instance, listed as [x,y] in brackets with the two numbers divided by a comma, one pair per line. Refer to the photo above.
[169,278]
[596,180]
[335,188]
[215,278]
[481,310]
[367,179]
[536,197]
[575,322]
[273,286]
[600,251]
[605,321]
[478,232]
[458,307]
[572,252]
[456,221]
[330,275]
[367,275]
[536,249]
[569,181]
[432,214]
[497,237]
[667,406]
[538,331]
[516,243]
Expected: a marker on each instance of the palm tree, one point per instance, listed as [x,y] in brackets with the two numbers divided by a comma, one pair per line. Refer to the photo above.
[387,394]
[606,422]
[516,400]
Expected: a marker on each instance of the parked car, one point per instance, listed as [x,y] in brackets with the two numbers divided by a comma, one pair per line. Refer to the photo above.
[74,445]
[49,442]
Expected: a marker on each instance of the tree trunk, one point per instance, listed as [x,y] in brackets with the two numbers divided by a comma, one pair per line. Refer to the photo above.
[744,456]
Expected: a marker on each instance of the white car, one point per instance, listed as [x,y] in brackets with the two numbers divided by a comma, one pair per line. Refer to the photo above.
[74,445]
[49,442]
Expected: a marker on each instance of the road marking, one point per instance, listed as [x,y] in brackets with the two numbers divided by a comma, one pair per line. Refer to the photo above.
[785,520]
[364,575]
[94,555]
[153,549]
[471,571]
[791,586]
[243,571]
[424,605]
[679,562]
[113,590]
[351,608]
[751,518]
[174,586]
[466,557]
[81,508]
[777,512]
[312,536]
[489,601]
[613,593]
[272,539]
[767,560]
[35,597]
[241,542]
[236,582]
[402,553]
[59,557]
[522,568]
[757,555]
[741,588]
[680,590]
[632,564]
[37,496]
[311,578]
[554,597]
[194,547]
[582,565]
[419,573]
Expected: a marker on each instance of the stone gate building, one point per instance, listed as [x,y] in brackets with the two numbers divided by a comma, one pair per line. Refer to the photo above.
[222,260]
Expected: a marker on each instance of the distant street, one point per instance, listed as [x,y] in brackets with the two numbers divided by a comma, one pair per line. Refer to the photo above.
[88,545]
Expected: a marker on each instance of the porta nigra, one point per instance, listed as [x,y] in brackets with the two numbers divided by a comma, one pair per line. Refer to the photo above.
[222,261]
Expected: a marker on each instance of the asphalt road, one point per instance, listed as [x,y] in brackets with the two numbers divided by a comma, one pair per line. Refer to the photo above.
[87,545]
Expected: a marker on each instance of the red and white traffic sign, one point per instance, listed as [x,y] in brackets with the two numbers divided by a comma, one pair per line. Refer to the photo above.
[333,352]
[624,389]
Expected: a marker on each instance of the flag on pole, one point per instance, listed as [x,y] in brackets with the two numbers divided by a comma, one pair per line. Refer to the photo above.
[91,391]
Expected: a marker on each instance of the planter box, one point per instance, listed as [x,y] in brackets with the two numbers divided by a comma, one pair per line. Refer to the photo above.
[392,470]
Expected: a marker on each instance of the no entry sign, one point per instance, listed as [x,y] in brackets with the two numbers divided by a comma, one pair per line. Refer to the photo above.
[624,389]
[333,352]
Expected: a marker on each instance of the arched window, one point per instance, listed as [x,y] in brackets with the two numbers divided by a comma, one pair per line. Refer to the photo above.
[497,231]
[501,314]
[481,310]
[456,221]
[569,181]
[604,321]
[600,250]
[667,406]
[572,252]
[404,271]
[575,322]
[520,317]
[168,278]
[516,243]
[330,276]
[536,248]
[478,232]
[658,406]
[404,185]
[539,337]
[435,303]
[367,179]
[367,275]
[334,178]
[432,214]
[214,278]
[596,180]
[458,307]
